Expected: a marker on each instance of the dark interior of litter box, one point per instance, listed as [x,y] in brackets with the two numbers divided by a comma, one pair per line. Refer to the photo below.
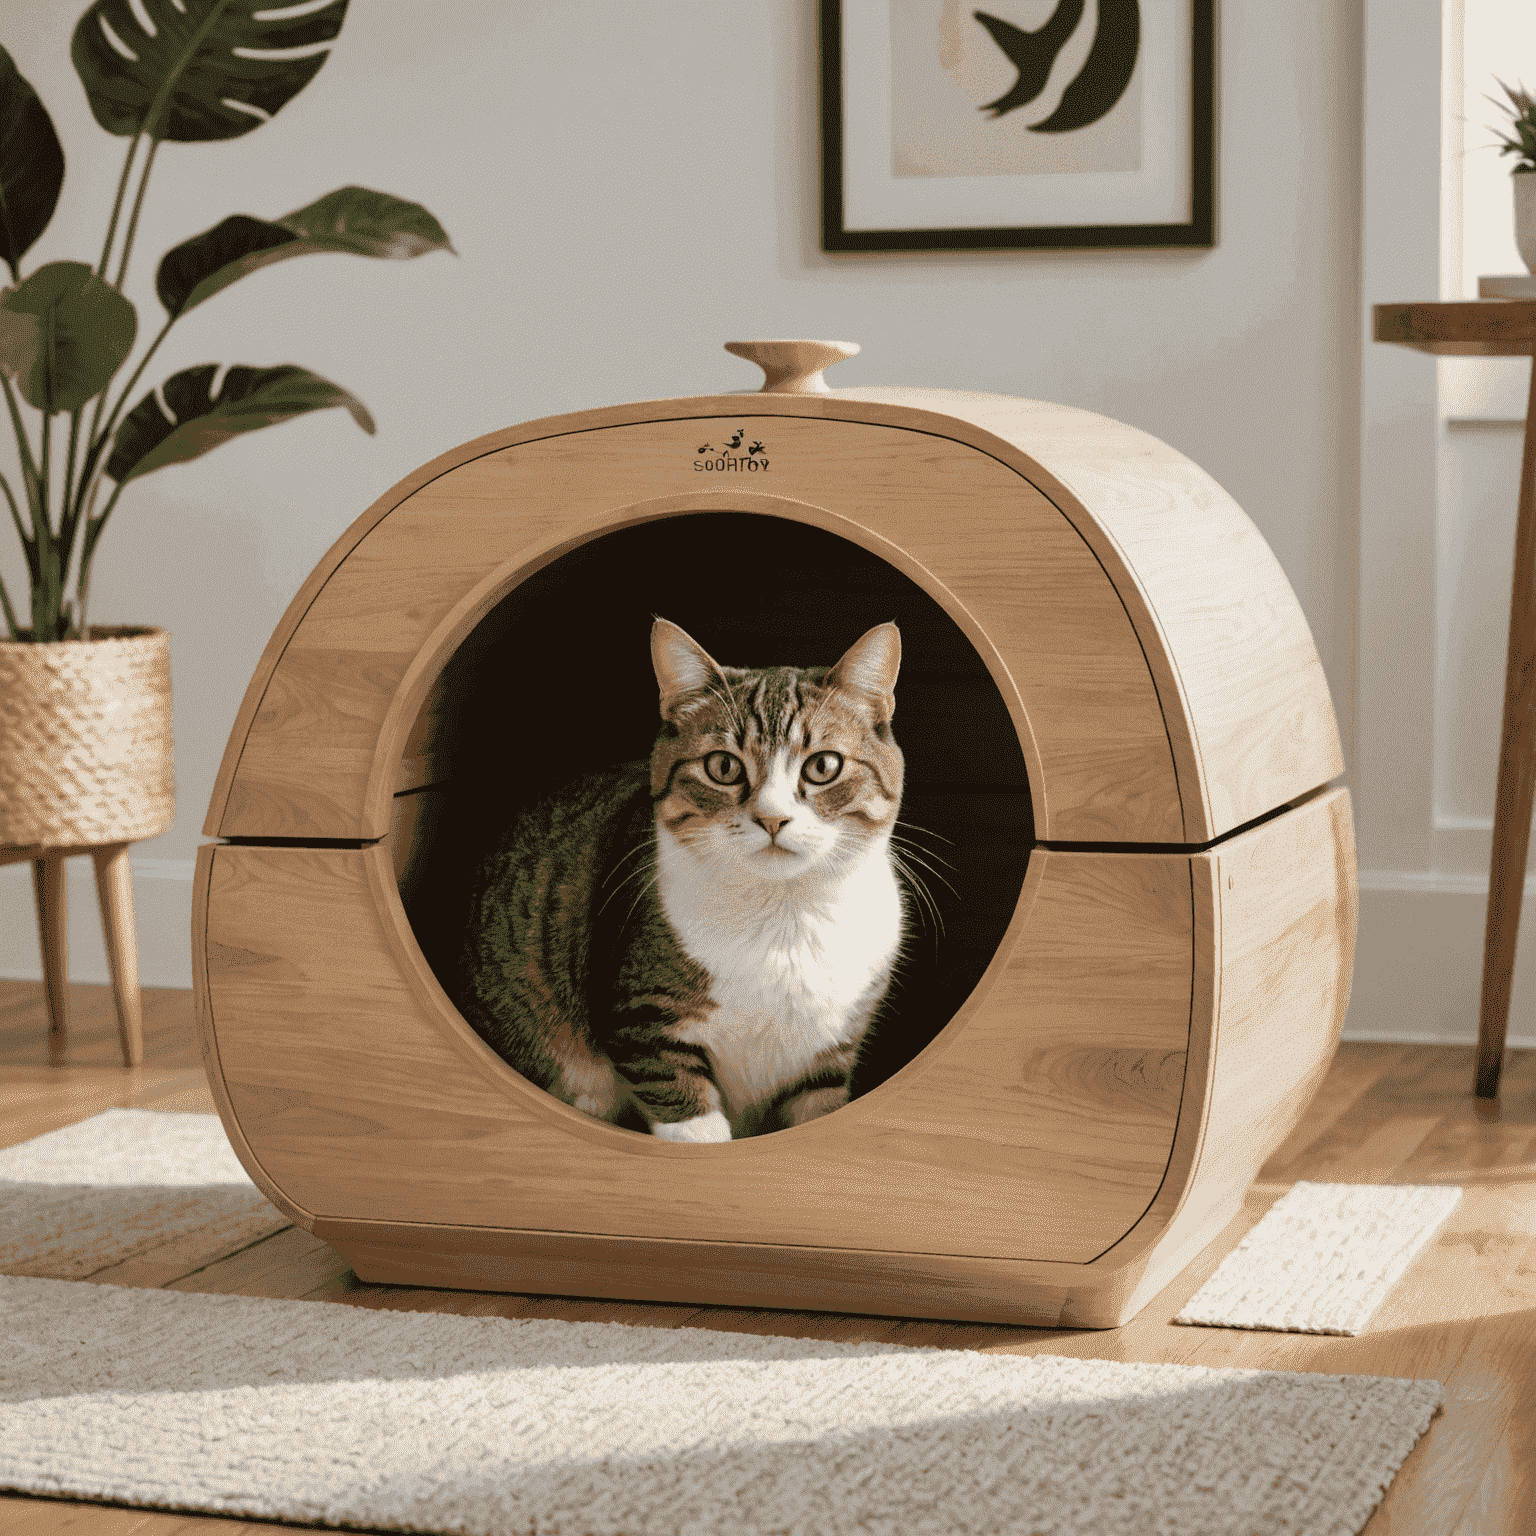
[557,682]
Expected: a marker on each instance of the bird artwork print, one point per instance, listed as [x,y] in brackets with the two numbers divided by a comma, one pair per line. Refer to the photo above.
[1100,83]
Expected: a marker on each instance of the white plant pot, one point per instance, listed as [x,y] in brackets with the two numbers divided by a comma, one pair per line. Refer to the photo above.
[1524,184]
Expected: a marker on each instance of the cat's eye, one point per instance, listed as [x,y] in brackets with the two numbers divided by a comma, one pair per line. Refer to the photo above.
[724,767]
[823,767]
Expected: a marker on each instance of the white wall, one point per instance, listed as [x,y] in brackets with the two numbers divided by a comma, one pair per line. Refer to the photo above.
[1439,470]
[1482,408]
[628,186]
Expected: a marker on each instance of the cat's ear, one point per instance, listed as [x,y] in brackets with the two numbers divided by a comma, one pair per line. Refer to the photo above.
[869,667]
[683,666]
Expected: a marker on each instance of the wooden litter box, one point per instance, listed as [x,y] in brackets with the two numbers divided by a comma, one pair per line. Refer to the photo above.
[1111,708]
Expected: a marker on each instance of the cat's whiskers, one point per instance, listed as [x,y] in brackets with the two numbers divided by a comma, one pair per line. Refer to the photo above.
[634,874]
[909,853]
[924,896]
[640,895]
[916,855]
[919,917]
[820,868]
[640,847]
[926,831]
[638,872]
[922,858]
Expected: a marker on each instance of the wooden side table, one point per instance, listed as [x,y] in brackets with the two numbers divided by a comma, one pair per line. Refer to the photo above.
[114,890]
[1497,328]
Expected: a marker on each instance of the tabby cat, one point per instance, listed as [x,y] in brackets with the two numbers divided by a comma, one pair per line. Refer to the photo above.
[696,946]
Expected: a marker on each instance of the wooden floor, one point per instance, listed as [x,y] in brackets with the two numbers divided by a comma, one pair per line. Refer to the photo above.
[1466,1312]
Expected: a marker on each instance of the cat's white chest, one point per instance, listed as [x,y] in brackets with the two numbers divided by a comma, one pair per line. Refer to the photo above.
[788,979]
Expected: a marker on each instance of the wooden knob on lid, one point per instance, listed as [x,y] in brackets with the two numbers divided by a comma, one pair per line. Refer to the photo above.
[793,367]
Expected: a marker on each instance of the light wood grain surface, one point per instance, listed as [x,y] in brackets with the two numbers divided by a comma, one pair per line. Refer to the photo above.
[114,894]
[1030,1152]
[1274,916]
[363,1094]
[318,761]
[1162,676]
[794,367]
[1463,1314]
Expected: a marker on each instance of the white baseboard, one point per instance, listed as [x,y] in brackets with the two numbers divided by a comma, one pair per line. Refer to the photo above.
[162,909]
[1373,1037]
[1418,964]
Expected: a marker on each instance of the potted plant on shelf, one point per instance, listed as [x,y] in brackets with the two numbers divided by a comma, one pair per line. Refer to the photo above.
[85,725]
[1521,111]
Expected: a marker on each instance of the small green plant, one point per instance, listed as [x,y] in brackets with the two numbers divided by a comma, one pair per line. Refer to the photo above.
[1520,109]
[188,71]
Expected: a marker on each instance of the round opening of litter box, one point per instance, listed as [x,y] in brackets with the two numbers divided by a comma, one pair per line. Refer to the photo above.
[557,683]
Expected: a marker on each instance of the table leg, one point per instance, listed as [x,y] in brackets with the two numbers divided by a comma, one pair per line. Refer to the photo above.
[114,891]
[52,917]
[1517,783]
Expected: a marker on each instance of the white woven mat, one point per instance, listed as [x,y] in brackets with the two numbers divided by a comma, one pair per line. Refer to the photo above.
[1323,1258]
[122,1183]
[341,1415]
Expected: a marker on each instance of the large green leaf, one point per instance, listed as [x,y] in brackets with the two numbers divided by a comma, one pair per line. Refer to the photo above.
[350,219]
[31,166]
[81,330]
[199,420]
[368,224]
[183,78]
[207,263]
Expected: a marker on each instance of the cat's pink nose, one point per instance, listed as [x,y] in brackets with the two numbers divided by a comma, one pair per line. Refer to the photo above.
[771,824]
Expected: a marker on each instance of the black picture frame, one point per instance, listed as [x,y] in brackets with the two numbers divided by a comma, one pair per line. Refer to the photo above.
[1199,231]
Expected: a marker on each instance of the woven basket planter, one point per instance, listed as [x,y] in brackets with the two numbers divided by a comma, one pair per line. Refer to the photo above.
[85,739]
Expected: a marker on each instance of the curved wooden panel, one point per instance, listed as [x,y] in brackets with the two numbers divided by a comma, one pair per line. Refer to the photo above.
[1244,696]
[1037,1125]
[1236,682]
[980,538]
[1275,910]
[1288,906]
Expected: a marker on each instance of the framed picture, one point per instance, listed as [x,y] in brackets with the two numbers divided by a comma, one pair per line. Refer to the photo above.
[998,124]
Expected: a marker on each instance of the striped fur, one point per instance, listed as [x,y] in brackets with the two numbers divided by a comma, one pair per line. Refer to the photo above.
[697,947]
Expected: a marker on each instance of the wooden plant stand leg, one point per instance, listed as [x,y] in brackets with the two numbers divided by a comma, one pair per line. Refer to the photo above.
[114,891]
[1517,783]
[52,914]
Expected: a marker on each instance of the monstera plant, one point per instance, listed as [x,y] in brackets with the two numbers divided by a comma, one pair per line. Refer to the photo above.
[184,71]
[154,72]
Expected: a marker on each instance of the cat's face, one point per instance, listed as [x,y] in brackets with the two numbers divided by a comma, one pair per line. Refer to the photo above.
[776,773]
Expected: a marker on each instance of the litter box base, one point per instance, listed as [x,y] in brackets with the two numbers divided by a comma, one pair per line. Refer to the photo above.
[1104,1294]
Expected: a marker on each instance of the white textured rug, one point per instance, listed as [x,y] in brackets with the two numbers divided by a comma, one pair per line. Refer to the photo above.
[126,1181]
[495,1427]
[1323,1258]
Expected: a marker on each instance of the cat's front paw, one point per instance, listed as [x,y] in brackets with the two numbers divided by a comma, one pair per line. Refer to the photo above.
[711,1127]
